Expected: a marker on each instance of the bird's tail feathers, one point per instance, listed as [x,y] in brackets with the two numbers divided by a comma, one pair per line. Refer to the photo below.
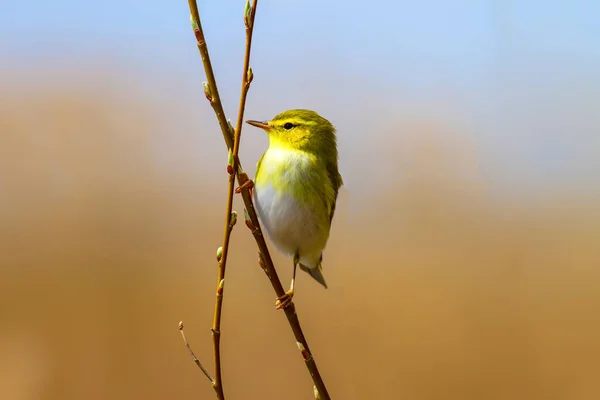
[316,273]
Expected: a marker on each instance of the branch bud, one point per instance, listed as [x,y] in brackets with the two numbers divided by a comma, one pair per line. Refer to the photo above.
[249,75]
[231,129]
[305,353]
[180,325]
[220,288]
[261,263]
[248,220]
[219,254]
[316,392]
[194,23]
[233,219]
[230,162]
[248,15]
[207,91]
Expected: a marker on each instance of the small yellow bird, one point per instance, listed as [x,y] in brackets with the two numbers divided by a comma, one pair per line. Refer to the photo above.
[296,187]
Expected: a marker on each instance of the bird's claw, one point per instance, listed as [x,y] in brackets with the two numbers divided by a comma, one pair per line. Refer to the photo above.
[285,300]
[248,184]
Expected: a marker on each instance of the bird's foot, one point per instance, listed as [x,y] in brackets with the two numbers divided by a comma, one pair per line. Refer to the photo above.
[285,300]
[247,184]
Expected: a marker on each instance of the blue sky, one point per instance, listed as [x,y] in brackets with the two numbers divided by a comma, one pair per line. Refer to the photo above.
[522,76]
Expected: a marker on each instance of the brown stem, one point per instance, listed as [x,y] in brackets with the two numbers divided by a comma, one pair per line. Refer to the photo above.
[233,144]
[198,363]
[210,76]
[216,326]
[246,79]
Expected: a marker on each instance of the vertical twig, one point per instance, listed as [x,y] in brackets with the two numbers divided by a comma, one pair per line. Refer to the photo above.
[230,220]
[233,143]
[215,101]
[230,216]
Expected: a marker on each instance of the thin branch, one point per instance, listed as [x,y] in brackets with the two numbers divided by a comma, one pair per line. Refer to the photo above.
[198,363]
[230,217]
[247,76]
[252,222]
[212,94]
[215,102]
[230,220]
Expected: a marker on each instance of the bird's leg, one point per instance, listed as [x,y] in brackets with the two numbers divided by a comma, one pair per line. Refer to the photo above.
[247,183]
[286,300]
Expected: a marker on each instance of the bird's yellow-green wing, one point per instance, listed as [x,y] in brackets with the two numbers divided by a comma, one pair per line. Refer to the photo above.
[258,166]
[336,181]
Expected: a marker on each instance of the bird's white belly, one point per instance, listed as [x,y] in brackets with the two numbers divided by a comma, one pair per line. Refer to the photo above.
[291,226]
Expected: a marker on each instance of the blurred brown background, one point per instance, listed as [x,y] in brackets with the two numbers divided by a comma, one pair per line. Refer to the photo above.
[464,259]
[436,291]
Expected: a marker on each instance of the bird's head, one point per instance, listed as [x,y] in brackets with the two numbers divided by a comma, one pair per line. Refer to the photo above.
[300,130]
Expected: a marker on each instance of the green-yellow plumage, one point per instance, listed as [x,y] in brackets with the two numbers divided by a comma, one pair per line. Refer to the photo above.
[296,185]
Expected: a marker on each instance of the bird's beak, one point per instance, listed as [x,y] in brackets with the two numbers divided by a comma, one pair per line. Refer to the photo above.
[259,124]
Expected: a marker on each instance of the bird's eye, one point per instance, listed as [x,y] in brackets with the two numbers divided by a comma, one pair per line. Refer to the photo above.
[288,126]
